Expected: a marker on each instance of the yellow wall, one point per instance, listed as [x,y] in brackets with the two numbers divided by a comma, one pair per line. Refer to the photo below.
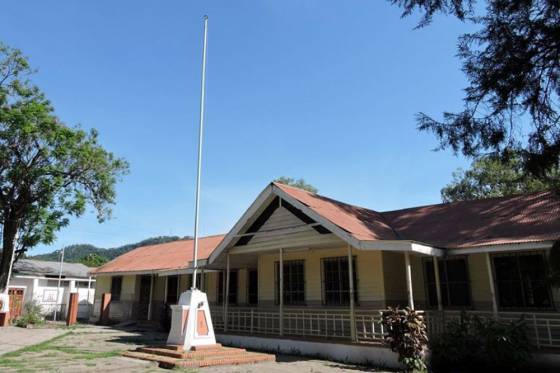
[102,285]
[369,273]
[480,283]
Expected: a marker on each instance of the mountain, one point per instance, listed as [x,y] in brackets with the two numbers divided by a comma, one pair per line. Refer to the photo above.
[75,253]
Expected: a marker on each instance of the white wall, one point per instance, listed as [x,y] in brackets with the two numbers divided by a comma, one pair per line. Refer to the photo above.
[38,289]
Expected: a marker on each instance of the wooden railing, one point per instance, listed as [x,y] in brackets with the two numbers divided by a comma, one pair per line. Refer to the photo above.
[543,329]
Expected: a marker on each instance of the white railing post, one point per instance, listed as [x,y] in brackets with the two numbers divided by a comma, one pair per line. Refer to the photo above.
[351,291]
[491,283]
[226,298]
[281,292]
[536,331]
[408,269]
[438,286]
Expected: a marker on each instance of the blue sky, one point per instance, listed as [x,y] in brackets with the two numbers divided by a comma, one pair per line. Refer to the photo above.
[320,89]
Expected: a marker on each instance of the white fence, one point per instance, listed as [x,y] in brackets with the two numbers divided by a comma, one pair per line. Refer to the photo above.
[543,329]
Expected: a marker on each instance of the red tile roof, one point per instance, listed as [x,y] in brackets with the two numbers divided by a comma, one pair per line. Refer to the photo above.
[517,219]
[165,256]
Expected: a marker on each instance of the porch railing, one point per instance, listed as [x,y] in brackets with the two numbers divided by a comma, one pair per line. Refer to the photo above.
[543,329]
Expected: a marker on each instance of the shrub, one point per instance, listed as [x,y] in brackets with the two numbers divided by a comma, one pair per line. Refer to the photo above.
[31,316]
[406,335]
[480,343]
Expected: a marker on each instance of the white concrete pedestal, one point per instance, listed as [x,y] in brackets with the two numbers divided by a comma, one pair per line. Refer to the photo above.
[191,324]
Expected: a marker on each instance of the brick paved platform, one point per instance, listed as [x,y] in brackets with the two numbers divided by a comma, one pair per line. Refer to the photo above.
[172,356]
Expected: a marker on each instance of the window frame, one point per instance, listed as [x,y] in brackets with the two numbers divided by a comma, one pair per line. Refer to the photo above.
[287,302]
[547,286]
[220,287]
[339,259]
[427,284]
[116,296]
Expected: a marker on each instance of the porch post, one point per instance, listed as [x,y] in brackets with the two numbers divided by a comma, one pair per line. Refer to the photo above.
[165,290]
[408,270]
[151,295]
[281,292]
[202,279]
[226,298]
[491,283]
[351,291]
[438,287]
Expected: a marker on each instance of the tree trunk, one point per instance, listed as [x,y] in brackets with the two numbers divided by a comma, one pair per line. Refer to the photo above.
[8,246]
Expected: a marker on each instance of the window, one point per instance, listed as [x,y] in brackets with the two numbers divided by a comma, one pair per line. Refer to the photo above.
[521,280]
[54,283]
[172,288]
[294,282]
[336,287]
[232,296]
[116,285]
[454,282]
[252,286]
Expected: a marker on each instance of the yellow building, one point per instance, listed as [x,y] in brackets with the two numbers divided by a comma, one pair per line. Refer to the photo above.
[300,266]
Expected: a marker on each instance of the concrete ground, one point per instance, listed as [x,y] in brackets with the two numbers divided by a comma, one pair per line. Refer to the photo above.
[96,348]
[13,338]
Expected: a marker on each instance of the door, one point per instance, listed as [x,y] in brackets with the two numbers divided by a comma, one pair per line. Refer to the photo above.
[144,297]
[16,302]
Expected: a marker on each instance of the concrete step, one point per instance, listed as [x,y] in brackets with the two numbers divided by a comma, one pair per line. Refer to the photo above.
[196,359]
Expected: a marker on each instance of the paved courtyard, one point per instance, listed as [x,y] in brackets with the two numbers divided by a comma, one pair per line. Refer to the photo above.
[96,348]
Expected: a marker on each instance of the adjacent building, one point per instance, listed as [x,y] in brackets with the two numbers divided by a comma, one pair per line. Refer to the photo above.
[37,280]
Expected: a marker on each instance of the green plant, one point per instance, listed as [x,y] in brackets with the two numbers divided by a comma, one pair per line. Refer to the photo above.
[31,316]
[479,343]
[406,335]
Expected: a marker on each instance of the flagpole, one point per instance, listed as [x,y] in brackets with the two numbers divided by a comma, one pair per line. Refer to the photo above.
[199,168]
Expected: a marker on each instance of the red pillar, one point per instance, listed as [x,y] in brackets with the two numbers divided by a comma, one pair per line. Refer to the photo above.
[72,315]
[105,306]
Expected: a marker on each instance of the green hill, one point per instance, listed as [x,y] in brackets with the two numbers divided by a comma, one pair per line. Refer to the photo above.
[76,253]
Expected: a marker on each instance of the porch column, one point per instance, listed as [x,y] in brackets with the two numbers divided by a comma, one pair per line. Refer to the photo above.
[202,279]
[226,298]
[151,296]
[491,283]
[281,292]
[438,287]
[165,290]
[351,291]
[408,270]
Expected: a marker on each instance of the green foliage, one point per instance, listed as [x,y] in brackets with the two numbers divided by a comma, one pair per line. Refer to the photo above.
[48,170]
[407,335]
[491,176]
[482,344]
[93,260]
[75,253]
[299,183]
[31,315]
[512,66]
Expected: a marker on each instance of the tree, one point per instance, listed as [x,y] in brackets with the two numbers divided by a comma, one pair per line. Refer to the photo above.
[491,176]
[48,171]
[512,64]
[93,260]
[299,183]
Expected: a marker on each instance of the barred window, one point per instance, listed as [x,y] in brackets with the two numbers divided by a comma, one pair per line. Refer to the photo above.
[252,286]
[116,286]
[232,296]
[294,282]
[521,280]
[336,285]
[454,282]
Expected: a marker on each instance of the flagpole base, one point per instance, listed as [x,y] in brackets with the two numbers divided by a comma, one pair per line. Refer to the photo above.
[191,323]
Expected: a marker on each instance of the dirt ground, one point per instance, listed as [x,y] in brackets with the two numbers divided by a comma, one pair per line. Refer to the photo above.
[94,348]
